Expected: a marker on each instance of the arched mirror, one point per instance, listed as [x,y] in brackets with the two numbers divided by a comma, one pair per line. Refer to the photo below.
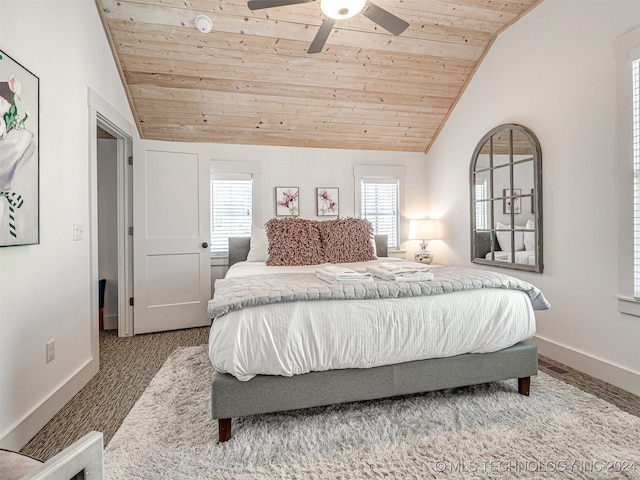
[506,199]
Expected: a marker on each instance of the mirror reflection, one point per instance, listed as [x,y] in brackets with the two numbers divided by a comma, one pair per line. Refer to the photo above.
[506,203]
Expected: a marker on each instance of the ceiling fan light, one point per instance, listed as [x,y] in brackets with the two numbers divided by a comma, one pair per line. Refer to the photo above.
[204,23]
[341,9]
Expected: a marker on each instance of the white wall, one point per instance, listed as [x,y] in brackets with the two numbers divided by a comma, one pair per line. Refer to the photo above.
[554,72]
[308,168]
[45,290]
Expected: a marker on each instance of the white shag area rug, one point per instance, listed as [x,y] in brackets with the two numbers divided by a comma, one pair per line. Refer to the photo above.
[486,431]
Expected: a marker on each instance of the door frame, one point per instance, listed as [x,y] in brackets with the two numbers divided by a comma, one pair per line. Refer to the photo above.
[104,115]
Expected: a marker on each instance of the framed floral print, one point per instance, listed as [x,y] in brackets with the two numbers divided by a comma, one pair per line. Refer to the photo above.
[512,201]
[327,202]
[19,154]
[287,202]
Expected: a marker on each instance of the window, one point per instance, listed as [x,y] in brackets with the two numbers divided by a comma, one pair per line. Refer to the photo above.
[379,205]
[231,210]
[627,49]
[635,103]
[234,202]
[482,208]
[379,198]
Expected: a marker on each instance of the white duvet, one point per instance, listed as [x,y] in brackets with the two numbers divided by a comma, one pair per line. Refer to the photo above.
[299,337]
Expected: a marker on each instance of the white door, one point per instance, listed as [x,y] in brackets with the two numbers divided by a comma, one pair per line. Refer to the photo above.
[172,267]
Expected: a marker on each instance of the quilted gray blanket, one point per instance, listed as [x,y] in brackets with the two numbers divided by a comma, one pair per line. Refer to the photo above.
[236,293]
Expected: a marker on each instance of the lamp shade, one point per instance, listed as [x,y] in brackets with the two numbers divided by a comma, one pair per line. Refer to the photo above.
[424,229]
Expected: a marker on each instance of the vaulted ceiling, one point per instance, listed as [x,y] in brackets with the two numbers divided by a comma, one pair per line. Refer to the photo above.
[251,81]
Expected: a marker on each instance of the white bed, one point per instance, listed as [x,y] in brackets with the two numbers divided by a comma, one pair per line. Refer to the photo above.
[294,338]
[285,342]
[524,243]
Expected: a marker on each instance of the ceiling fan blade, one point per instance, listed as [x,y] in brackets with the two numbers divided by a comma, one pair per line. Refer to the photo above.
[386,20]
[322,35]
[260,4]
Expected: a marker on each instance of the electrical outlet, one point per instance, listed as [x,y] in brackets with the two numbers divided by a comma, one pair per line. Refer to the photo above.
[51,350]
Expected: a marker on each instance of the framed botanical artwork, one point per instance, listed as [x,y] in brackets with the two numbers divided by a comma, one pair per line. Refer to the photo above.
[511,201]
[287,202]
[19,154]
[327,202]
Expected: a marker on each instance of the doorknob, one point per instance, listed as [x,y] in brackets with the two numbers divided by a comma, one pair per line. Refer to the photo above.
[205,244]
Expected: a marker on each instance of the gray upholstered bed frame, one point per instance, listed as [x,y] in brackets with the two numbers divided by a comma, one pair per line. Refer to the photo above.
[265,393]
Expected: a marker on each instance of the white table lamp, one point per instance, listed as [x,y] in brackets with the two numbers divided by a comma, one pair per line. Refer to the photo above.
[425,229]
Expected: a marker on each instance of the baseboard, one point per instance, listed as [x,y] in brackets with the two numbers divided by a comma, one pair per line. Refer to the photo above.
[111,322]
[18,436]
[598,368]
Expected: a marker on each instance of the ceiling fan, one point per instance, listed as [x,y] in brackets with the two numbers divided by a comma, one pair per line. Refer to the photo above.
[339,10]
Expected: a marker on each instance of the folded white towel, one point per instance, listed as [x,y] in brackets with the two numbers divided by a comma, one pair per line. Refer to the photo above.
[337,274]
[422,275]
[404,267]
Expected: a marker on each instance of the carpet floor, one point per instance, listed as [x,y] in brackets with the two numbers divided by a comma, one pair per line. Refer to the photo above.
[127,365]
[485,431]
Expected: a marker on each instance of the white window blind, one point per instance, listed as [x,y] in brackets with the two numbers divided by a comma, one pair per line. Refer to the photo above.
[482,208]
[231,210]
[379,205]
[635,98]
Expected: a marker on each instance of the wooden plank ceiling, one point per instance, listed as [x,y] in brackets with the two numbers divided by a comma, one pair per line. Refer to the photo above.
[251,80]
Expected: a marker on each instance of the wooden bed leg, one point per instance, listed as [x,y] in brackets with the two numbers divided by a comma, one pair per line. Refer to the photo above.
[224,429]
[524,384]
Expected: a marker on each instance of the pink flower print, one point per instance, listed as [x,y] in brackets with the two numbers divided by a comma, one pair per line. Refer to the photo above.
[326,205]
[289,200]
[14,85]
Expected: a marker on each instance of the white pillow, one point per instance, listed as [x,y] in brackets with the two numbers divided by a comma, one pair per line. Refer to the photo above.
[504,238]
[259,251]
[530,237]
